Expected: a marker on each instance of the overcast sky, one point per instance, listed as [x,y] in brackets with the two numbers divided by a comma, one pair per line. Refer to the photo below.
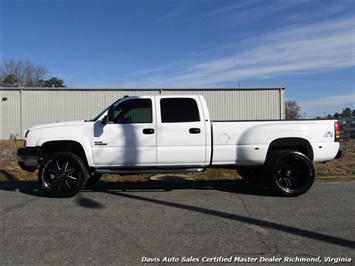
[305,46]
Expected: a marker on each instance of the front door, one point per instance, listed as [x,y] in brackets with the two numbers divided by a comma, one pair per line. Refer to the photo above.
[129,140]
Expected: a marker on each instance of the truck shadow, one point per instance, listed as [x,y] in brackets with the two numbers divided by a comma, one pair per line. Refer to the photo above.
[245,219]
[122,189]
[232,186]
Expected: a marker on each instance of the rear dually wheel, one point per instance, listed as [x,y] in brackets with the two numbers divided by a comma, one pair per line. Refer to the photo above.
[290,173]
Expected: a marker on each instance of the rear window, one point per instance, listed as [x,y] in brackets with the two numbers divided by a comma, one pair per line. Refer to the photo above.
[179,110]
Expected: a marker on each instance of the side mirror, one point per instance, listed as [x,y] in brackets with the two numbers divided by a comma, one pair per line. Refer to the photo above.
[111,114]
[104,120]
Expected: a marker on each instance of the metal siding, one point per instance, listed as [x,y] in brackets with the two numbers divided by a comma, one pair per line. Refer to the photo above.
[239,104]
[40,106]
[10,123]
[242,104]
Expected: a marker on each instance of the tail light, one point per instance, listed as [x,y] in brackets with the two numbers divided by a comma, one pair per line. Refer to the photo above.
[337,132]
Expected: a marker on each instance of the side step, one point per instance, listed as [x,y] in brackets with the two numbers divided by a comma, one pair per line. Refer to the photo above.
[127,171]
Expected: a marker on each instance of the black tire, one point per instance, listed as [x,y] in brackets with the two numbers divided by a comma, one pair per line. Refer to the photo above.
[93,179]
[252,173]
[290,173]
[62,174]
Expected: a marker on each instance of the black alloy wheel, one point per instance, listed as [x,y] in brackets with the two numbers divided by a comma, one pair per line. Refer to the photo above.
[290,173]
[63,174]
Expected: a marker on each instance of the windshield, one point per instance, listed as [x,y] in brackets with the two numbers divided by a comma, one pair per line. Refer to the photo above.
[101,113]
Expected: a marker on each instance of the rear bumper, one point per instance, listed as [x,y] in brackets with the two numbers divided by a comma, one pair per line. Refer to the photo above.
[28,158]
[340,153]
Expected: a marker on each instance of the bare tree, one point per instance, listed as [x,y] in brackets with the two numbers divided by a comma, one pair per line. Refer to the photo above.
[21,74]
[292,110]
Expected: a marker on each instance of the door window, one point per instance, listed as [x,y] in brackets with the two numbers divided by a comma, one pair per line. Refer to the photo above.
[134,111]
[177,110]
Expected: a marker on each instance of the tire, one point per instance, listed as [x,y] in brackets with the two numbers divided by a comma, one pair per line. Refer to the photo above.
[63,174]
[253,174]
[290,173]
[93,179]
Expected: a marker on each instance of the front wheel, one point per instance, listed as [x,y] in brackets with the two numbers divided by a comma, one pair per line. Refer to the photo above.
[290,173]
[63,174]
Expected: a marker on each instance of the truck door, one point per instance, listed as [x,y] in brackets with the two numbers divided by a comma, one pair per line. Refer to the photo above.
[130,139]
[181,132]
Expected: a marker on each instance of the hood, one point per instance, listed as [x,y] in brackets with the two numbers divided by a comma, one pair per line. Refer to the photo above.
[58,124]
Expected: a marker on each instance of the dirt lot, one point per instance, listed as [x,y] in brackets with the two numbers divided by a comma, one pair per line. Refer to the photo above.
[336,169]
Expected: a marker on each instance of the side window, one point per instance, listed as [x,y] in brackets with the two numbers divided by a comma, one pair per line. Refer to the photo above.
[175,110]
[134,111]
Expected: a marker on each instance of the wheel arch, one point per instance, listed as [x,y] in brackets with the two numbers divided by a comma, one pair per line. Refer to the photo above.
[74,147]
[296,144]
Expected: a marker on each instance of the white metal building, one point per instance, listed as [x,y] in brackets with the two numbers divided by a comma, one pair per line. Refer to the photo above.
[22,108]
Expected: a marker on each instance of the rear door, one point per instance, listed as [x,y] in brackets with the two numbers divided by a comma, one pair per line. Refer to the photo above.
[181,131]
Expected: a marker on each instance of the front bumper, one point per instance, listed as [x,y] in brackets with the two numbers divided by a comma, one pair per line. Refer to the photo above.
[28,158]
[340,153]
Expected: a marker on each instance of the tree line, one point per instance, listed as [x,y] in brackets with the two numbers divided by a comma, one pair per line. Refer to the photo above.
[19,73]
[346,113]
[292,111]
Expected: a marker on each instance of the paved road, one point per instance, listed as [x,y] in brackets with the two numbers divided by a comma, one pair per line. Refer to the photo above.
[207,223]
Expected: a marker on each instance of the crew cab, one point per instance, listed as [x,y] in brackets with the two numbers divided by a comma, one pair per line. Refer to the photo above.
[158,134]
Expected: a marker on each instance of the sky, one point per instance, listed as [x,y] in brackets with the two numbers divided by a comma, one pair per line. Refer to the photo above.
[306,46]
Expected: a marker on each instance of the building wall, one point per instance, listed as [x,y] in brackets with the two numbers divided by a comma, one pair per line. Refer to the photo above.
[23,108]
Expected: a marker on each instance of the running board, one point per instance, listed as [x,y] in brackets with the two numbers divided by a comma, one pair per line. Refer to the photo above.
[147,170]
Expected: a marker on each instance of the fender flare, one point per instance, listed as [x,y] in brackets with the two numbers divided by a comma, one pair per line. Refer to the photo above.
[83,142]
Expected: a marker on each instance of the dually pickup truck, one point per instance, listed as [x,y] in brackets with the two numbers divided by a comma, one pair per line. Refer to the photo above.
[168,134]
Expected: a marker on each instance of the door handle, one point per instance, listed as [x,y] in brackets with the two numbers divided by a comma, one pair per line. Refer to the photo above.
[194,131]
[148,131]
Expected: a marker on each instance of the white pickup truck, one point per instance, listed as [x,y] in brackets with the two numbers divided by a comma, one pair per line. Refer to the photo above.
[175,134]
